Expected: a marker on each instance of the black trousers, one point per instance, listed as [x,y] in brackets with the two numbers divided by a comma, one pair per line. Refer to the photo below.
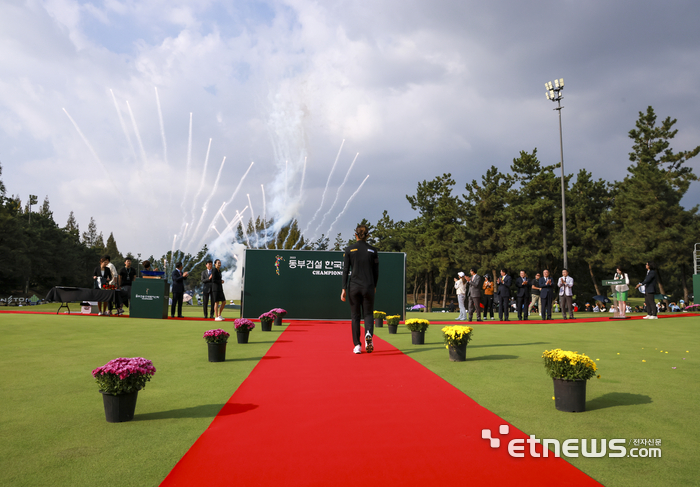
[522,302]
[205,299]
[546,307]
[503,307]
[177,300]
[651,304]
[361,304]
[488,305]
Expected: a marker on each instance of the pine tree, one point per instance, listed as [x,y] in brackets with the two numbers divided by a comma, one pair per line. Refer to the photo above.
[648,221]
[45,208]
[90,237]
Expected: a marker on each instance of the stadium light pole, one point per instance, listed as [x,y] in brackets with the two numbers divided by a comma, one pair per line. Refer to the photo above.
[554,93]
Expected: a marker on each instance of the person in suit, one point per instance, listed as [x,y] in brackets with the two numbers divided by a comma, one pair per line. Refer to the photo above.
[522,296]
[503,283]
[650,283]
[546,294]
[566,293]
[206,281]
[360,276]
[217,291]
[179,279]
[102,275]
[474,294]
[126,278]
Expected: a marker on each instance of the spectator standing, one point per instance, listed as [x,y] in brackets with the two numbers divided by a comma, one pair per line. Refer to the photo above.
[522,296]
[461,287]
[503,283]
[179,279]
[566,293]
[126,279]
[535,295]
[650,284]
[474,294]
[217,285]
[102,275]
[207,289]
[487,286]
[546,294]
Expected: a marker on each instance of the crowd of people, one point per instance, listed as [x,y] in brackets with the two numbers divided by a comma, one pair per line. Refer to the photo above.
[542,294]
[106,275]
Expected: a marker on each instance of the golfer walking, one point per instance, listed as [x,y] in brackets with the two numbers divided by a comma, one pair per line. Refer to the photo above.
[360,275]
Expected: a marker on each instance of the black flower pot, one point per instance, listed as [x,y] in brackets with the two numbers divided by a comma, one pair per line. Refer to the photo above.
[570,395]
[119,408]
[266,325]
[217,352]
[379,322]
[242,336]
[418,337]
[458,353]
[278,320]
[392,329]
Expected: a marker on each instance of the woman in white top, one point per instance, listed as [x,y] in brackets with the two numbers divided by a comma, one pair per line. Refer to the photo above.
[461,287]
[621,290]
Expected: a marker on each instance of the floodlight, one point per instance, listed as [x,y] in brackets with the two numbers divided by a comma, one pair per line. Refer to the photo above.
[556,83]
[561,82]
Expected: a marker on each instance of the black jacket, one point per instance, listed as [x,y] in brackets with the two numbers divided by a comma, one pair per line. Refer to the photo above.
[361,265]
[650,281]
[178,282]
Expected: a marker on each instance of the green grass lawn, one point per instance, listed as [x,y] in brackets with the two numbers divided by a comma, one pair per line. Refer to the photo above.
[54,431]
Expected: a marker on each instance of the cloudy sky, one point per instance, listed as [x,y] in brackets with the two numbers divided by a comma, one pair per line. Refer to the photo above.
[109,107]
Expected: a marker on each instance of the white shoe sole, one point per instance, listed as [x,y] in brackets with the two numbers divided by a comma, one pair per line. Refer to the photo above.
[369,345]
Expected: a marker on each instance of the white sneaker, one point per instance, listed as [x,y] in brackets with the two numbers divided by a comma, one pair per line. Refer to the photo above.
[369,346]
[357,349]
[653,317]
[218,318]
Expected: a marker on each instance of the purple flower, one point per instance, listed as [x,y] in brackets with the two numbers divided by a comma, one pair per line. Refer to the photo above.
[243,324]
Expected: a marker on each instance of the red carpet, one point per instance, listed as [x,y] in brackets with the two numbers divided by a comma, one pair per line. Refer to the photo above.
[314,413]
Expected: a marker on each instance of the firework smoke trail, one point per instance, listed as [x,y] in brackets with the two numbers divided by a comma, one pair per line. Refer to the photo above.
[286,181]
[337,194]
[162,128]
[237,219]
[214,228]
[255,228]
[303,176]
[245,233]
[239,184]
[206,203]
[323,195]
[138,134]
[121,122]
[347,204]
[172,254]
[87,143]
[187,178]
[199,191]
[264,216]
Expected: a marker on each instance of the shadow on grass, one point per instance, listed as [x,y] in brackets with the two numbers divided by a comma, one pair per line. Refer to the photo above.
[203,411]
[491,357]
[612,399]
[508,345]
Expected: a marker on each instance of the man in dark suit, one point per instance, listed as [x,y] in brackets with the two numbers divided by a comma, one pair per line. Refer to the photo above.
[503,283]
[178,290]
[546,295]
[207,290]
[474,294]
[650,284]
[523,295]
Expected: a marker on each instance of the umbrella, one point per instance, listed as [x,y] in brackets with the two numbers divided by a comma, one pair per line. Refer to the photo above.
[418,306]
[600,298]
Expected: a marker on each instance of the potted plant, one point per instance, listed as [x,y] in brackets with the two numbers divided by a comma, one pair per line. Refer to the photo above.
[393,323]
[216,342]
[243,327]
[417,327]
[456,339]
[379,318]
[120,381]
[569,371]
[279,314]
[266,320]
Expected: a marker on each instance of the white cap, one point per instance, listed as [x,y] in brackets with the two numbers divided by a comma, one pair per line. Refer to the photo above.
[460,274]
